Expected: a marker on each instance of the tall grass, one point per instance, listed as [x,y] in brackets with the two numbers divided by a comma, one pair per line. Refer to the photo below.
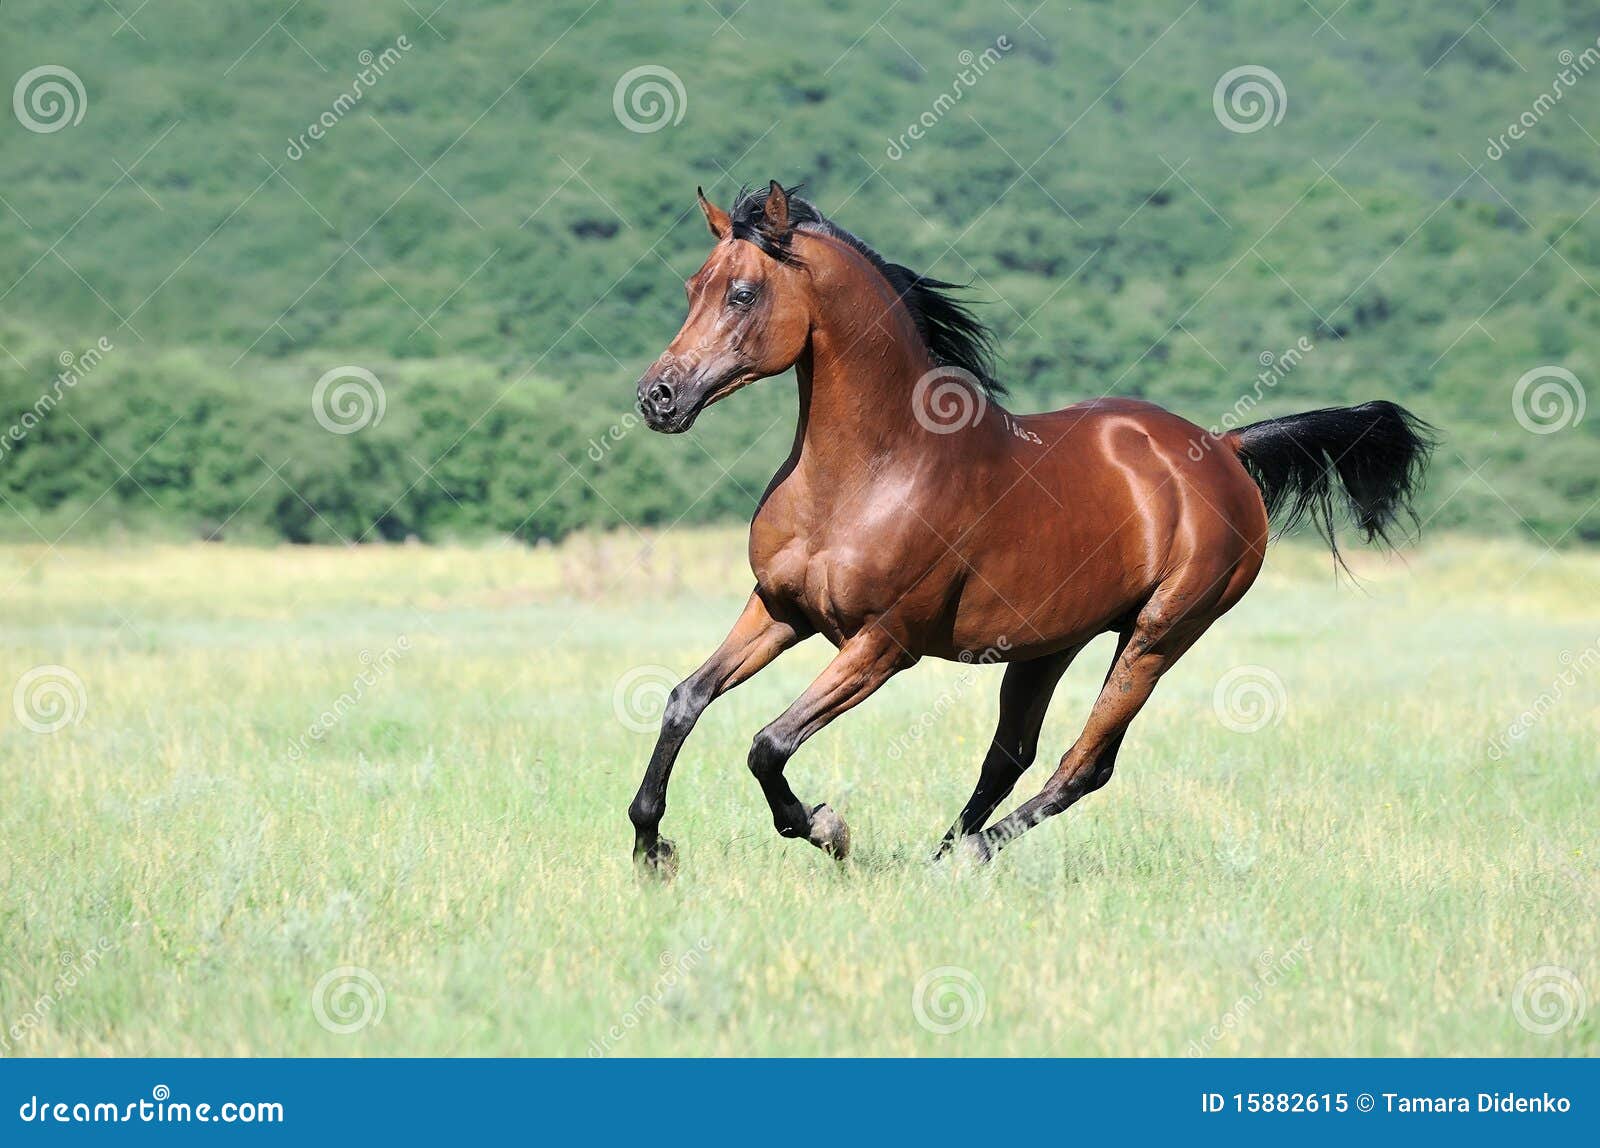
[1360,876]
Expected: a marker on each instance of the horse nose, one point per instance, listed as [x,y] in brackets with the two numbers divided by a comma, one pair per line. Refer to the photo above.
[659,396]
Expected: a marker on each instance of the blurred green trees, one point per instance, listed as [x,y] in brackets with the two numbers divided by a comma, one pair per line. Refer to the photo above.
[482,231]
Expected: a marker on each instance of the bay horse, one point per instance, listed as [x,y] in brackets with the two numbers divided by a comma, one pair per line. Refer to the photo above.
[917,517]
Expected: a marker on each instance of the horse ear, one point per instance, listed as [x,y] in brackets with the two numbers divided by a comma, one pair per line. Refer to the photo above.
[716,219]
[777,209]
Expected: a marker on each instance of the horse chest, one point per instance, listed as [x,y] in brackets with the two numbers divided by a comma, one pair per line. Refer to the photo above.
[825,585]
[793,577]
[843,566]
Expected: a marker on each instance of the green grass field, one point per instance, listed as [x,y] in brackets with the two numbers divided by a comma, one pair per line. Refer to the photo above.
[183,863]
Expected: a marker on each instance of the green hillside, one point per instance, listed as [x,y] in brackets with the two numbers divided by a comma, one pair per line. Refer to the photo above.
[483,232]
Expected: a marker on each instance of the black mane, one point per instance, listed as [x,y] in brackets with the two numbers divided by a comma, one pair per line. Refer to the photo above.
[953,335]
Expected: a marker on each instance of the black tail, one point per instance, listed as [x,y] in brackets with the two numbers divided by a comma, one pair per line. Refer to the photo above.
[1378,452]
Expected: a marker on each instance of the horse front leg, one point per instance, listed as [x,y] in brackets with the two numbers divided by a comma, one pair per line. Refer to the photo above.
[755,640]
[863,663]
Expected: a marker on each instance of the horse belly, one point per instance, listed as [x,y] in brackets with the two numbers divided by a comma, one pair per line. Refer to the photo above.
[1021,625]
[1056,588]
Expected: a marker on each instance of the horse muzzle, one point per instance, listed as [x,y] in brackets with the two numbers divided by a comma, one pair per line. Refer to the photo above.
[670,402]
[666,405]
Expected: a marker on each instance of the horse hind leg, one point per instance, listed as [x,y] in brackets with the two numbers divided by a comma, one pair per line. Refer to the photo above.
[1025,695]
[1144,654]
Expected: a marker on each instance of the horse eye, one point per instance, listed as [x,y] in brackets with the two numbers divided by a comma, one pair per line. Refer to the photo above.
[742,296]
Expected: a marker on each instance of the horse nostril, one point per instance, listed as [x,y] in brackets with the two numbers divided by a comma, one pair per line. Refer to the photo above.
[660,396]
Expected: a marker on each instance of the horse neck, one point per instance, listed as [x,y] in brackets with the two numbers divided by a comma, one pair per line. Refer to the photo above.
[859,372]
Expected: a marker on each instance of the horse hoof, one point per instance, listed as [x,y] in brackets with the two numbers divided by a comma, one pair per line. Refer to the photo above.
[660,861]
[829,833]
